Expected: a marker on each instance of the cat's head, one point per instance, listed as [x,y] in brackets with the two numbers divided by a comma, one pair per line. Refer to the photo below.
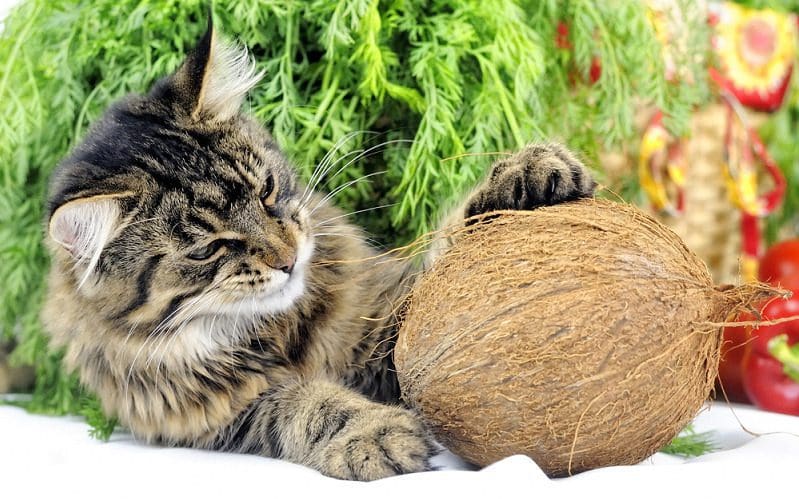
[177,202]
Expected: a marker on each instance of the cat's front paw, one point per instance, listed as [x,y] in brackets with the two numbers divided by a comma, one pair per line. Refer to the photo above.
[538,175]
[378,442]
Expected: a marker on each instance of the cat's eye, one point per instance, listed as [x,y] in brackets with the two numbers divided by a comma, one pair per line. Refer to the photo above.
[269,194]
[207,251]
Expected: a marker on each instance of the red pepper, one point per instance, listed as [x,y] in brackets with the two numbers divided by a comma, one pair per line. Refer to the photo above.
[733,348]
[771,363]
[780,265]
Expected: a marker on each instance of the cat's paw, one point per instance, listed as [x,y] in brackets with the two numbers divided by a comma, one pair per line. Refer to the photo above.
[378,442]
[538,175]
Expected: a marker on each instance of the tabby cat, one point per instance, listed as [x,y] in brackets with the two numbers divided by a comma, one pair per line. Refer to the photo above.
[214,301]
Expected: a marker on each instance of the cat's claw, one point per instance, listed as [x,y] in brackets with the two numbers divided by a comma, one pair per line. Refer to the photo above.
[389,441]
[538,175]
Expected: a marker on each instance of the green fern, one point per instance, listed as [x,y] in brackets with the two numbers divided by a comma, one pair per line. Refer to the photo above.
[441,79]
[689,443]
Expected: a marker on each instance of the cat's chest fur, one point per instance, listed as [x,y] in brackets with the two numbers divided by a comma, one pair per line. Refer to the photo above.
[186,385]
[178,387]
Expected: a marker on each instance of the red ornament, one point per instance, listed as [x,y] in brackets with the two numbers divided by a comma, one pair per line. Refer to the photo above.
[562,42]
[755,51]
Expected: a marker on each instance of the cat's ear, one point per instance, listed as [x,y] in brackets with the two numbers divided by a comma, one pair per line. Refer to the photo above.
[215,77]
[83,227]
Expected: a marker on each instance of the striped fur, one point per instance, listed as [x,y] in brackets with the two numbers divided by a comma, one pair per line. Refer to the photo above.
[229,307]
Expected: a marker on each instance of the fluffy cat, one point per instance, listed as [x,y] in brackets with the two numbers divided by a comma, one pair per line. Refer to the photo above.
[212,300]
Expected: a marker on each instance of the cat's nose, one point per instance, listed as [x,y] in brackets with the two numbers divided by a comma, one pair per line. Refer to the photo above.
[277,257]
[284,263]
[288,265]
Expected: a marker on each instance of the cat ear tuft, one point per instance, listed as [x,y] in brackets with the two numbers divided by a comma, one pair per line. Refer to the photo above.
[83,227]
[216,77]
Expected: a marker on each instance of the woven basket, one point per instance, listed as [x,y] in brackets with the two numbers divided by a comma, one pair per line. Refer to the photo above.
[710,224]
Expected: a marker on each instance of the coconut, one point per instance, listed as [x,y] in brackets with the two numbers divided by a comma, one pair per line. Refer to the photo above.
[582,335]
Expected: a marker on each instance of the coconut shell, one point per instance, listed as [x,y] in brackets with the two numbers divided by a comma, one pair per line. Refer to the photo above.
[582,335]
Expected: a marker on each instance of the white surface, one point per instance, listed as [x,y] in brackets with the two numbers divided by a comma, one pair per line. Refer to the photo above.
[42,456]
[5,6]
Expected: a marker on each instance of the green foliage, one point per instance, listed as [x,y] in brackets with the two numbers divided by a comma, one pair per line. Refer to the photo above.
[779,135]
[101,426]
[689,443]
[780,5]
[434,79]
[787,355]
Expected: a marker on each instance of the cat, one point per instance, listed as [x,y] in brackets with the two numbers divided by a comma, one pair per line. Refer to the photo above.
[212,300]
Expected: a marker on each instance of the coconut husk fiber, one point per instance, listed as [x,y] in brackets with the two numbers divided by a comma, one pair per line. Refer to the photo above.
[582,335]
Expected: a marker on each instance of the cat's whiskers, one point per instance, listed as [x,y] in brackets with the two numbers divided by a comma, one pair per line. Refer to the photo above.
[373,243]
[322,164]
[237,317]
[371,151]
[178,328]
[360,154]
[327,169]
[257,336]
[327,163]
[209,331]
[363,153]
[163,325]
[340,188]
[313,181]
[126,398]
[174,323]
[327,221]
[172,338]
[171,321]
[161,339]
[339,234]
[128,336]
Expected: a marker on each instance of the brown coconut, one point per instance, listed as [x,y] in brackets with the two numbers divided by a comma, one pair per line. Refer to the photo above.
[582,335]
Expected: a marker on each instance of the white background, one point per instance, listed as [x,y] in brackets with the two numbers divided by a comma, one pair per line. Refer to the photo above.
[41,457]
[44,456]
[5,5]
